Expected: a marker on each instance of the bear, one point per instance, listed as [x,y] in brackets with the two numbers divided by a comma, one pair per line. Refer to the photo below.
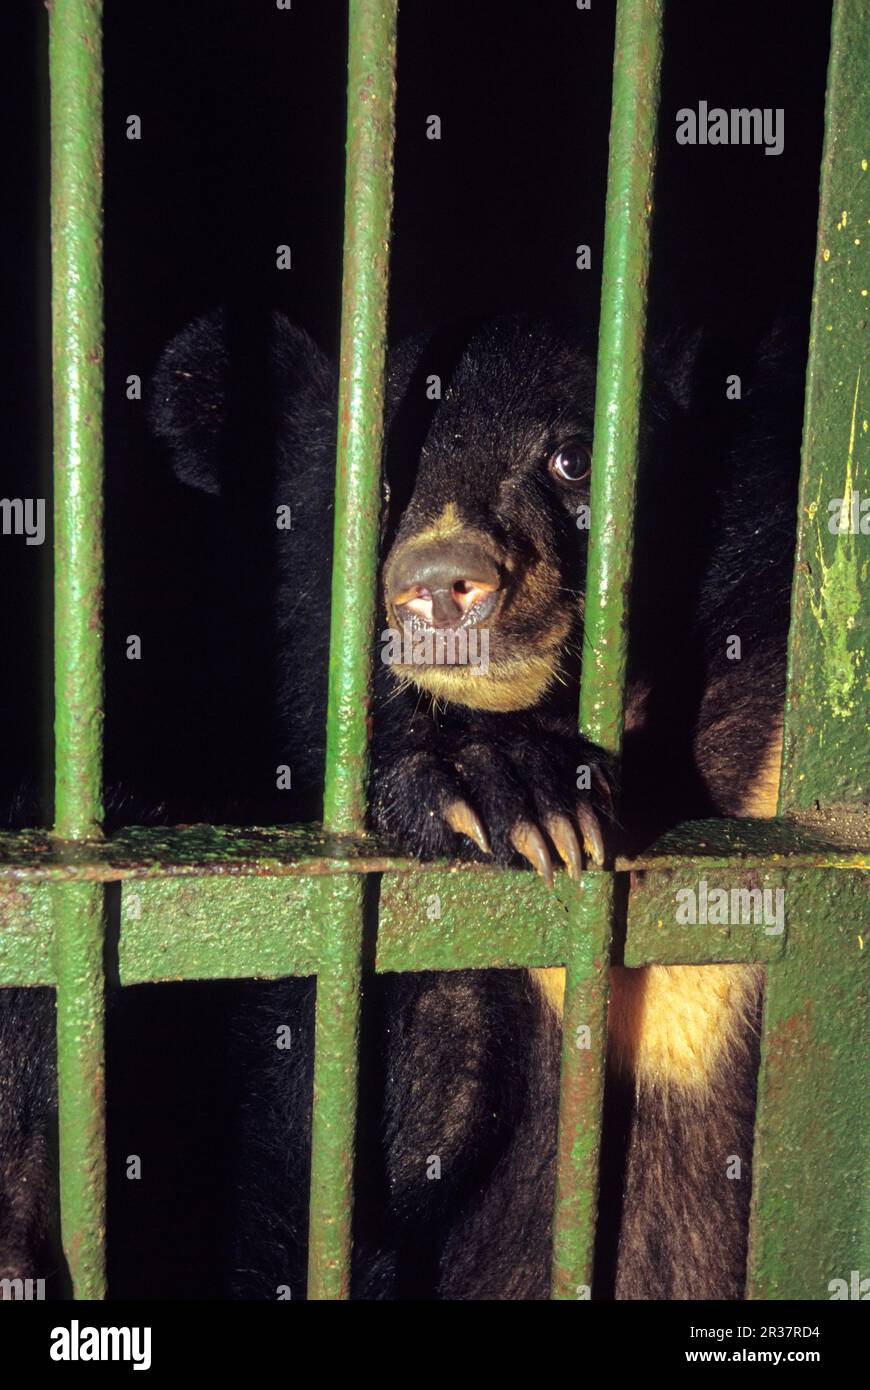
[485,484]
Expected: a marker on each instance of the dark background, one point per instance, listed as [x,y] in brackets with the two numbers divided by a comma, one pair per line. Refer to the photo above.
[242,107]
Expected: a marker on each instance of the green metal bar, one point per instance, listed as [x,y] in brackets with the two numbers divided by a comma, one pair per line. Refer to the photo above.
[825,841]
[27,934]
[231,927]
[223,928]
[654,936]
[78,958]
[636,64]
[444,920]
[811,1200]
[75,63]
[584,1033]
[336,1067]
[75,60]
[810,1231]
[827,713]
[368,203]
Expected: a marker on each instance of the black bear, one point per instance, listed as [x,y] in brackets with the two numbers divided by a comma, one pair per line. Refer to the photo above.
[486,481]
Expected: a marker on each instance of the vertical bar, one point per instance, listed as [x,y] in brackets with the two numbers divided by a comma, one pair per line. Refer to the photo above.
[368,203]
[637,53]
[584,1033]
[75,63]
[367,206]
[827,712]
[810,1221]
[78,958]
[636,64]
[335,1091]
[810,1229]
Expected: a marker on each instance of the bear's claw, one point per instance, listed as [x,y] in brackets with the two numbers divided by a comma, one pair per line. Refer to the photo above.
[528,841]
[461,818]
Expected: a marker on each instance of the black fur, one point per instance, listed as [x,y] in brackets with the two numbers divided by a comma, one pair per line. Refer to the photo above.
[29,1223]
[683,1221]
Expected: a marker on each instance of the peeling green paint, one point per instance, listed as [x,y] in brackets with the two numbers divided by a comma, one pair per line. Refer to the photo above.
[827,710]
[811,1198]
[835,600]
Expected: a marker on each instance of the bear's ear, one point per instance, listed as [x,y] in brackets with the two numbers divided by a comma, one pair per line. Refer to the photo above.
[225,381]
[674,358]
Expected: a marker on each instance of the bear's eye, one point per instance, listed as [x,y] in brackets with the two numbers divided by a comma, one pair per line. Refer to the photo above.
[572,464]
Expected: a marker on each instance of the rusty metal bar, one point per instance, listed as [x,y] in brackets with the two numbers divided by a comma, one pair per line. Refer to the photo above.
[584,1037]
[636,64]
[368,202]
[367,207]
[827,711]
[78,958]
[336,1066]
[810,1197]
[77,352]
[810,1232]
[214,851]
[75,63]
[622,325]
[270,925]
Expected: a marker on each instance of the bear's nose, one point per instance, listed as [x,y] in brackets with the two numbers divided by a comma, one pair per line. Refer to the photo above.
[444,585]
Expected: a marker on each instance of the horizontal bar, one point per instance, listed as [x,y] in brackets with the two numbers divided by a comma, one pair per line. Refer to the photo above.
[659,903]
[197,851]
[27,916]
[206,851]
[439,919]
[450,920]
[830,839]
[224,928]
